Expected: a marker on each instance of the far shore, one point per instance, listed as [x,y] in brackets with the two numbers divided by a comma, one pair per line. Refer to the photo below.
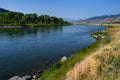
[11,26]
[30,26]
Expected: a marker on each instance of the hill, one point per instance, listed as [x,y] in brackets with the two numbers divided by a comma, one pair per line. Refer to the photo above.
[100,19]
[103,17]
[4,10]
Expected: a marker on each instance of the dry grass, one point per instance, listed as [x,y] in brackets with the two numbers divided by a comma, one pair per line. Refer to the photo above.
[103,64]
[88,66]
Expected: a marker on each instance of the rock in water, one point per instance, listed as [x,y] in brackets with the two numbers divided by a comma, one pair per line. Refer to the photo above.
[27,77]
[16,78]
[19,78]
[64,58]
[34,77]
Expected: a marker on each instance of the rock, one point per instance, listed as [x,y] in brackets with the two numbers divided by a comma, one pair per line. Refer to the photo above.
[103,30]
[19,78]
[16,78]
[99,36]
[64,58]
[27,77]
[102,37]
[34,76]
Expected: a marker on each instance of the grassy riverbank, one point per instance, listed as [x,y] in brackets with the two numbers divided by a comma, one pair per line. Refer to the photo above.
[80,67]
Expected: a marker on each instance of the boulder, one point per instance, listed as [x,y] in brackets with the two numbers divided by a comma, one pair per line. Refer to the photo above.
[34,76]
[27,77]
[19,78]
[16,78]
[64,58]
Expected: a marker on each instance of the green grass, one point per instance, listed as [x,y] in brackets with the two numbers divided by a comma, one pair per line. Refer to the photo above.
[107,40]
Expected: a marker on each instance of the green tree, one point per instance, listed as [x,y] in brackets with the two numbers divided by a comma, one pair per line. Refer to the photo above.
[17,18]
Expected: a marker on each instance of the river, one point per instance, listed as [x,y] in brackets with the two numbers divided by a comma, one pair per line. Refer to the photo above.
[27,51]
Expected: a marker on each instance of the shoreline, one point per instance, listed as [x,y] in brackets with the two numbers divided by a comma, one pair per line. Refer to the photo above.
[28,26]
[65,70]
[60,64]
[10,27]
[40,72]
[104,63]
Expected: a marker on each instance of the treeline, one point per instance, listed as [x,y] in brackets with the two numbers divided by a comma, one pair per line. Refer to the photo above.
[17,18]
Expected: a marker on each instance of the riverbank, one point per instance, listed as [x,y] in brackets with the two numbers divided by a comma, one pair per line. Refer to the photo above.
[10,27]
[89,63]
[31,25]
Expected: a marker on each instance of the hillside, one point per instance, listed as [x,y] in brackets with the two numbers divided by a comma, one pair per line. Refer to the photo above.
[100,19]
[4,10]
[104,17]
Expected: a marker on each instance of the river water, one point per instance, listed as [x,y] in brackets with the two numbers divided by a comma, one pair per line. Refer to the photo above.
[29,50]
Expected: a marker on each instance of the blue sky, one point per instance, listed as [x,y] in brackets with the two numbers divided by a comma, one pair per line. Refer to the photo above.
[75,9]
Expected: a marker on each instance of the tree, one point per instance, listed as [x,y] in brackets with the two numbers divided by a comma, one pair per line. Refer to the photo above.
[60,21]
[17,18]
[30,18]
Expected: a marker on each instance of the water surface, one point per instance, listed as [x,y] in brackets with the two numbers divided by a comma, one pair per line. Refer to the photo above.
[25,51]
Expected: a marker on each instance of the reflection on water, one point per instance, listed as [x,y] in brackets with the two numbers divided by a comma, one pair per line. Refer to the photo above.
[29,50]
[27,31]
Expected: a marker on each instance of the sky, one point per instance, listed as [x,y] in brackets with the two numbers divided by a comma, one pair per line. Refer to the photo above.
[74,9]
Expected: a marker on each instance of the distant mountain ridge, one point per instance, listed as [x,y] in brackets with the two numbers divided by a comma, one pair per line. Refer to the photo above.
[100,19]
[4,10]
[103,17]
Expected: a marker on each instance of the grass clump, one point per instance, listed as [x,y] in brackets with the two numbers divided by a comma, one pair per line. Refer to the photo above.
[107,40]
